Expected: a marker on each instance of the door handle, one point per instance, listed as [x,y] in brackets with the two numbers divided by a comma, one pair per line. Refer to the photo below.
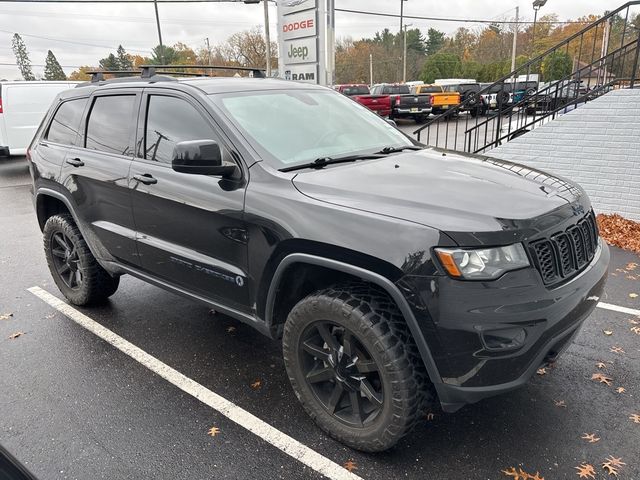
[146,179]
[76,162]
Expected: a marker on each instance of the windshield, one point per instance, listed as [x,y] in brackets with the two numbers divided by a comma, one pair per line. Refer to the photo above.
[299,126]
[430,89]
[356,90]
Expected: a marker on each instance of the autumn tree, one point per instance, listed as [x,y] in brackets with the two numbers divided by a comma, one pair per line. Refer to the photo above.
[52,68]
[248,48]
[22,57]
[81,74]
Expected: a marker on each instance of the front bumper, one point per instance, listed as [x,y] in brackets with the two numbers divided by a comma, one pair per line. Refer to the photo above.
[488,338]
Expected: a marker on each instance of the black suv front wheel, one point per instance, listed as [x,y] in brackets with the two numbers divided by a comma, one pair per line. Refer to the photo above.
[75,270]
[353,366]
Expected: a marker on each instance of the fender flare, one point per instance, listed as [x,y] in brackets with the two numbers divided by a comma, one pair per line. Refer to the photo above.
[369,276]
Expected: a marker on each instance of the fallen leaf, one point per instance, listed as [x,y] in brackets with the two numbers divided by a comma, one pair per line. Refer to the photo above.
[620,390]
[586,471]
[635,418]
[213,431]
[619,231]
[601,378]
[560,403]
[612,465]
[231,329]
[617,349]
[350,465]
[601,365]
[6,316]
[634,322]
[607,332]
[542,371]
[636,330]
[633,295]
[632,266]
[590,437]
[521,474]
[631,277]
[256,385]
[13,336]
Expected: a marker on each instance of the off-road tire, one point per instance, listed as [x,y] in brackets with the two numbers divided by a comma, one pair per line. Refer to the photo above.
[374,319]
[97,284]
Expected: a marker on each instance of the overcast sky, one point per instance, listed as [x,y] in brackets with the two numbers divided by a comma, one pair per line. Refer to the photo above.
[83,33]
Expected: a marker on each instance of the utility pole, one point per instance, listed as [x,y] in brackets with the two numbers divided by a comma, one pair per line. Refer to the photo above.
[515,41]
[371,69]
[155,4]
[404,57]
[267,37]
[208,51]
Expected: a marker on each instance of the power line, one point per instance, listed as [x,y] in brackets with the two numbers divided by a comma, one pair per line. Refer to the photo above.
[446,19]
[72,42]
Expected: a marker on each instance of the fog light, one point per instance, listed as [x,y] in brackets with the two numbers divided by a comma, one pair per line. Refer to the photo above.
[506,339]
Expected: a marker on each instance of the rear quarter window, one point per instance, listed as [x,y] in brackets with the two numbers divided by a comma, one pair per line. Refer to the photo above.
[111,123]
[65,125]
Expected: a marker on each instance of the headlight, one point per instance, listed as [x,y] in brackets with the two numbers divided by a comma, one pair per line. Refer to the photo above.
[484,263]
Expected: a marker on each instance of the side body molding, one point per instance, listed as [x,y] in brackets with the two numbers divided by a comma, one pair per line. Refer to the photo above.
[369,276]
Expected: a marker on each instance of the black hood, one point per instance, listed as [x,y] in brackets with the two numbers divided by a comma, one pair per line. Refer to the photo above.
[449,191]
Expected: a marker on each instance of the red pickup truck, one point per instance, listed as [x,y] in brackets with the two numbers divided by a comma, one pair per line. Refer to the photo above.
[381,104]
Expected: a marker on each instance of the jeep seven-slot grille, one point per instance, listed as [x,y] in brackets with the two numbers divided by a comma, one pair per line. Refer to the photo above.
[565,254]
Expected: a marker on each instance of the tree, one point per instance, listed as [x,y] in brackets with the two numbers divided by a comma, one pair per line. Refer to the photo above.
[247,48]
[556,66]
[164,55]
[52,68]
[81,73]
[435,41]
[441,65]
[109,63]
[124,59]
[22,57]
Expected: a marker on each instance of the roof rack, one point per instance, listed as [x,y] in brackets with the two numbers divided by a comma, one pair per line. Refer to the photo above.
[155,72]
[150,70]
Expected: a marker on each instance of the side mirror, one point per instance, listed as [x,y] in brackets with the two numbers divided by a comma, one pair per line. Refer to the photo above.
[200,157]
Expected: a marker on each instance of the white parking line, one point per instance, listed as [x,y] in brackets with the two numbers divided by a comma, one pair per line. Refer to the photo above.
[616,308]
[275,437]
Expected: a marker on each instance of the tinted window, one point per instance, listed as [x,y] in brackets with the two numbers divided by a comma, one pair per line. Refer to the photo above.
[65,125]
[396,90]
[430,89]
[356,90]
[171,120]
[110,124]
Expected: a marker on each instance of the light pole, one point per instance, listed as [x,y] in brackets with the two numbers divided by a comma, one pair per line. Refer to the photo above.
[267,36]
[155,4]
[404,68]
[537,5]
[404,55]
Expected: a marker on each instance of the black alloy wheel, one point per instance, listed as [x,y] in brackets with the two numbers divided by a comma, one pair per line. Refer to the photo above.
[341,373]
[66,260]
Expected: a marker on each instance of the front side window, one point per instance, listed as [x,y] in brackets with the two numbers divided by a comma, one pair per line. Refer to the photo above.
[110,124]
[299,126]
[171,120]
[65,125]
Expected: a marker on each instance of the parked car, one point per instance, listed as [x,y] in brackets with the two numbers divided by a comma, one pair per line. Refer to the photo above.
[439,100]
[22,108]
[404,104]
[469,96]
[394,276]
[381,104]
[555,95]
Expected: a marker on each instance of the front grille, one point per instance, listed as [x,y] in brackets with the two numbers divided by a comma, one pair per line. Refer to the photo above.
[565,254]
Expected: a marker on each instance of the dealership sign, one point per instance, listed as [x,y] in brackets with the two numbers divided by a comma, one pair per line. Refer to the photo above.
[305,38]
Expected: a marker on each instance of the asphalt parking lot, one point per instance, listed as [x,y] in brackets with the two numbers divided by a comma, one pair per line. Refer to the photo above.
[75,406]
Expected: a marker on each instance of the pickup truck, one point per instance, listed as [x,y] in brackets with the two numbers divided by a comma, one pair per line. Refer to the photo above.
[381,104]
[404,104]
[469,96]
[438,98]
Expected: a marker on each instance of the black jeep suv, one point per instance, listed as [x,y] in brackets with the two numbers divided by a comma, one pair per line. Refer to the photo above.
[395,275]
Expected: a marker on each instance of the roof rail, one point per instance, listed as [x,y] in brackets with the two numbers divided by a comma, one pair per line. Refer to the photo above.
[150,70]
[98,75]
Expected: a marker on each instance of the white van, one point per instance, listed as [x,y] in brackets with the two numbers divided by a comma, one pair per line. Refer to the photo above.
[22,108]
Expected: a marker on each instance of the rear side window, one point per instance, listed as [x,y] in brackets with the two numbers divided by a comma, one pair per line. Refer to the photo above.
[65,125]
[110,124]
[171,120]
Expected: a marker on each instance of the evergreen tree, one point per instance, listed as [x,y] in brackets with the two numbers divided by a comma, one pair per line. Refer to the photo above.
[52,68]
[435,41]
[124,60]
[22,57]
[110,63]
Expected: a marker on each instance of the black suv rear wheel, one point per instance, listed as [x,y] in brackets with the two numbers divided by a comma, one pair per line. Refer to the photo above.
[74,269]
[354,367]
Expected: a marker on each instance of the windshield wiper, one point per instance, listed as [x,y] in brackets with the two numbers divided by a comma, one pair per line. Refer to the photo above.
[323,161]
[388,150]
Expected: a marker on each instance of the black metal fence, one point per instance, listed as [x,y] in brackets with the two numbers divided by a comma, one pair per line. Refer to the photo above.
[605,56]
